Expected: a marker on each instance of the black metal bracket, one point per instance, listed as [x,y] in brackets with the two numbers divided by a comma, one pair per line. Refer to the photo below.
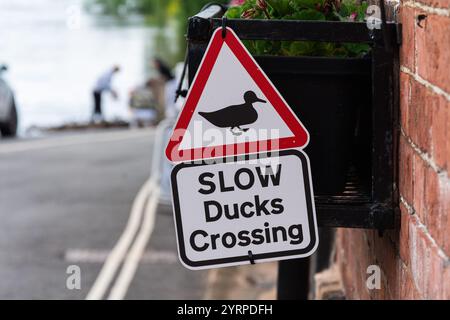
[200,26]
[224,27]
[250,257]
[293,30]
[180,91]
[386,33]
[399,34]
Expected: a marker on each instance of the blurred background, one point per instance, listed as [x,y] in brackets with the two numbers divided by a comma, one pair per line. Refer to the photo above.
[87,92]
[55,50]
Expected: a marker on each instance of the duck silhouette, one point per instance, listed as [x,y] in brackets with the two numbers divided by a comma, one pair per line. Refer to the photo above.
[235,116]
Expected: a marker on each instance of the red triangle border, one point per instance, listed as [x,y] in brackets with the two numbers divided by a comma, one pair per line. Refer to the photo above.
[301,135]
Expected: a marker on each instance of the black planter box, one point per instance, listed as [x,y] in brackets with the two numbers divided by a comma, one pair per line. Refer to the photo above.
[348,105]
[327,95]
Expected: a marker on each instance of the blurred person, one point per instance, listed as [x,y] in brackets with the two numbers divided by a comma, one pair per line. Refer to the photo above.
[103,84]
[163,69]
[164,87]
[170,92]
[143,104]
[173,105]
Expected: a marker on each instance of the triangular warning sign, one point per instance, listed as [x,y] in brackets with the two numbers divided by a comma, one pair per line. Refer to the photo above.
[232,108]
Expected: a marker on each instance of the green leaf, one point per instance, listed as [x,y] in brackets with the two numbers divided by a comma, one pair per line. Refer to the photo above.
[356,49]
[362,11]
[312,10]
[310,14]
[306,14]
[280,7]
[250,45]
[262,47]
[285,48]
[302,48]
[298,5]
[234,12]
[325,49]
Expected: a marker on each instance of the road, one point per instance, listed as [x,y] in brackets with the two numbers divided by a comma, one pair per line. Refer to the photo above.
[65,201]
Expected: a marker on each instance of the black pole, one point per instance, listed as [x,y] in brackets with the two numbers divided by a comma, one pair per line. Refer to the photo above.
[293,279]
[323,254]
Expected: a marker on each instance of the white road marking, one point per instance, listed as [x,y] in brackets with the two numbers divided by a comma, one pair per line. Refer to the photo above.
[85,256]
[160,256]
[119,251]
[100,256]
[136,249]
[66,141]
[134,256]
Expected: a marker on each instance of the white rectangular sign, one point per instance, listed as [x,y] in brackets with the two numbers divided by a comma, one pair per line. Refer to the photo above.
[242,212]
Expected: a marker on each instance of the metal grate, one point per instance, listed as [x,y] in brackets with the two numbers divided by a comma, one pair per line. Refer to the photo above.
[355,191]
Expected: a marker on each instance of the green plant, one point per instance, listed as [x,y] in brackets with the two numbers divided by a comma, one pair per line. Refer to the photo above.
[325,10]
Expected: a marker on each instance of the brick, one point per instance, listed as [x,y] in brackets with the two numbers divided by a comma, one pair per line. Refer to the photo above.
[427,264]
[407,18]
[347,263]
[434,269]
[361,262]
[435,218]
[447,157]
[445,213]
[436,3]
[420,116]
[405,97]
[439,129]
[364,292]
[396,292]
[446,283]
[394,237]
[369,250]
[340,234]
[433,50]
[423,275]
[408,290]
[413,266]
[418,202]
[357,258]
[392,277]
[380,294]
[384,255]
[406,178]
[371,236]
[387,256]
[404,234]
[416,253]
[431,194]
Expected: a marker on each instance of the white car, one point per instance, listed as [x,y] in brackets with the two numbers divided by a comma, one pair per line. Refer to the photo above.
[8,111]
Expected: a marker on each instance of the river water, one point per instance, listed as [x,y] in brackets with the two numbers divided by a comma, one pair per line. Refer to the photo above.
[55,51]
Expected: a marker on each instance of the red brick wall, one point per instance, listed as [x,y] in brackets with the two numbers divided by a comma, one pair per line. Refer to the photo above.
[414,259]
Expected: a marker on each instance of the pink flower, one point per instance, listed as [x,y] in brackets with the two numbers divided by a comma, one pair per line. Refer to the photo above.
[352,16]
[236,2]
[262,4]
[248,14]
